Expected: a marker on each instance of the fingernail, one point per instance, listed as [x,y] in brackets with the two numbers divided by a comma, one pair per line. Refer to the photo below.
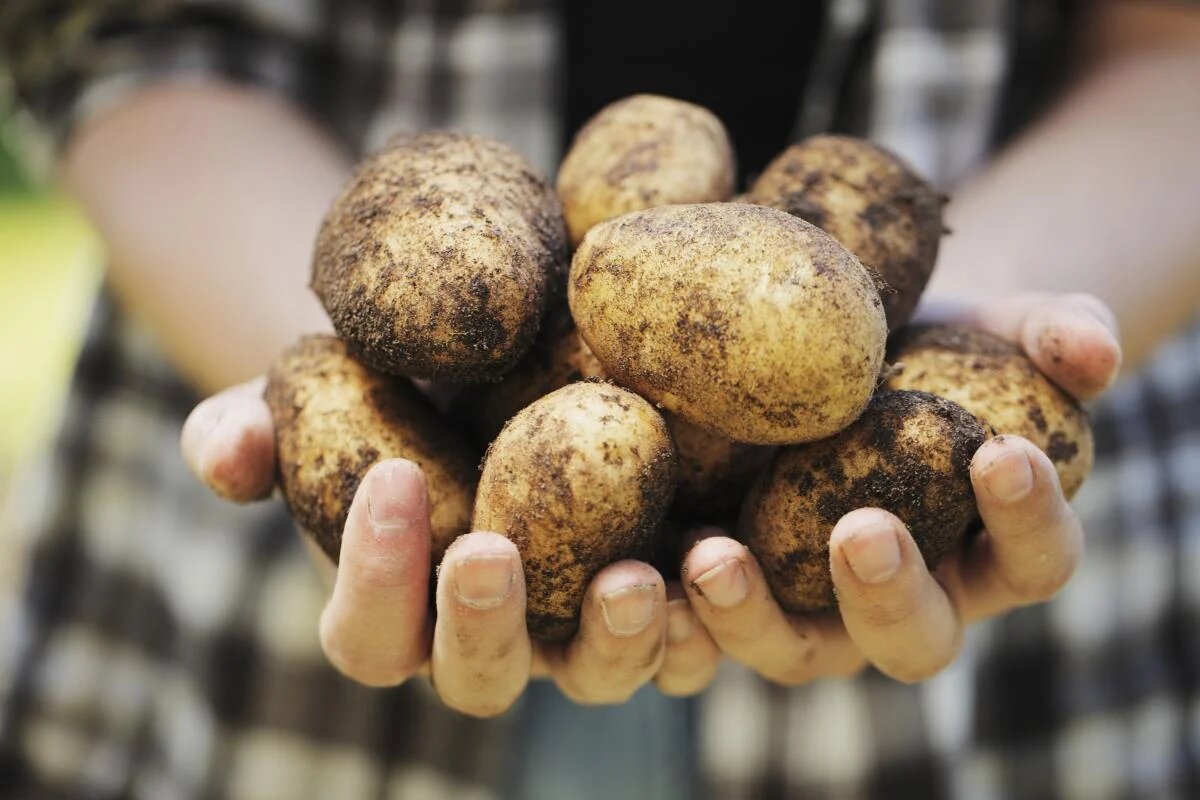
[725,585]
[483,581]
[679,621]
[1008,476]
[395,497]
[628,611]
[872,551]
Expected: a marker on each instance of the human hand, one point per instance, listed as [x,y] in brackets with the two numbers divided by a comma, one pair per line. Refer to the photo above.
[377,628]
[893,613]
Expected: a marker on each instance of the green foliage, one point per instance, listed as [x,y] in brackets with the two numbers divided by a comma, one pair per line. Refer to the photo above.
[12,179]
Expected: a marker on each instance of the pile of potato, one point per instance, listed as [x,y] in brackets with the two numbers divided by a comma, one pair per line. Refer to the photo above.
[695,358]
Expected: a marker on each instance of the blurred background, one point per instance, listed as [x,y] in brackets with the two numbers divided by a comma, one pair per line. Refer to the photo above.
[49,271]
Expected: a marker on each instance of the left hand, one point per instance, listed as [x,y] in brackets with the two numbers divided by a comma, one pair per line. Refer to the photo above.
[894,613]
[377,627]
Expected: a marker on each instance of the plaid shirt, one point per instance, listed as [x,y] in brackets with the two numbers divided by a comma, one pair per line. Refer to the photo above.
[165,646]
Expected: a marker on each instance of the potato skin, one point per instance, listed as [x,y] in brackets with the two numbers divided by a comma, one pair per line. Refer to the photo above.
[577,480]
[741,319]
[909,453]
[558,357]
[335,418]
[714,472]
[641,152]
[437,258]
[996,381]
[869,200]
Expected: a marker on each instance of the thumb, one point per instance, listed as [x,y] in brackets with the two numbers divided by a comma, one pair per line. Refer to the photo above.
[228,441]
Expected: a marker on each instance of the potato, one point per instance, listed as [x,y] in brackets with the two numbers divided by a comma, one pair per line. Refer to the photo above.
[577,480]
[714,472]
[335,418]
[996,382]
[437,258]
[641,152]
[870,201]
[744,320]
[558,357]
[910,454]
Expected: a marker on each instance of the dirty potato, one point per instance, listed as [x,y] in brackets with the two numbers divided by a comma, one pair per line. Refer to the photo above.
[334,418]
[577,480]
[715,472]
[741,319]
[909,453]
[558,357]
[998,383]
[641,152]
[870,201]
[438,256]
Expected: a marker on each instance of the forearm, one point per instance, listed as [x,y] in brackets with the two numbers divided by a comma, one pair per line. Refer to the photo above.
[208,198]
[1102,196]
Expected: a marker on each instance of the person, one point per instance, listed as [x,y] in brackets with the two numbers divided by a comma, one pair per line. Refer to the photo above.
[168,646]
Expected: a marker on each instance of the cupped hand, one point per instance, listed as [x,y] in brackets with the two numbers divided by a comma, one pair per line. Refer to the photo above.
[892,611]
[377,627]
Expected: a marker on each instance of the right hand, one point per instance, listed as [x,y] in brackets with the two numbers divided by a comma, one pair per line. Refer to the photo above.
[376,627]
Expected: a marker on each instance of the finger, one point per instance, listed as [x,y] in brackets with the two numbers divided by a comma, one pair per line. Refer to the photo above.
[228,442]
[1032,541]
[1069,340]
[894,611]
[326,569]
[481,652]
[730,596]
[374,627]
[621,638]
[1072,338]
[692,657]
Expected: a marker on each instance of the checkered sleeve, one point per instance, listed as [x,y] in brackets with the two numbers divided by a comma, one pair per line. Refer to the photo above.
[64,61]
